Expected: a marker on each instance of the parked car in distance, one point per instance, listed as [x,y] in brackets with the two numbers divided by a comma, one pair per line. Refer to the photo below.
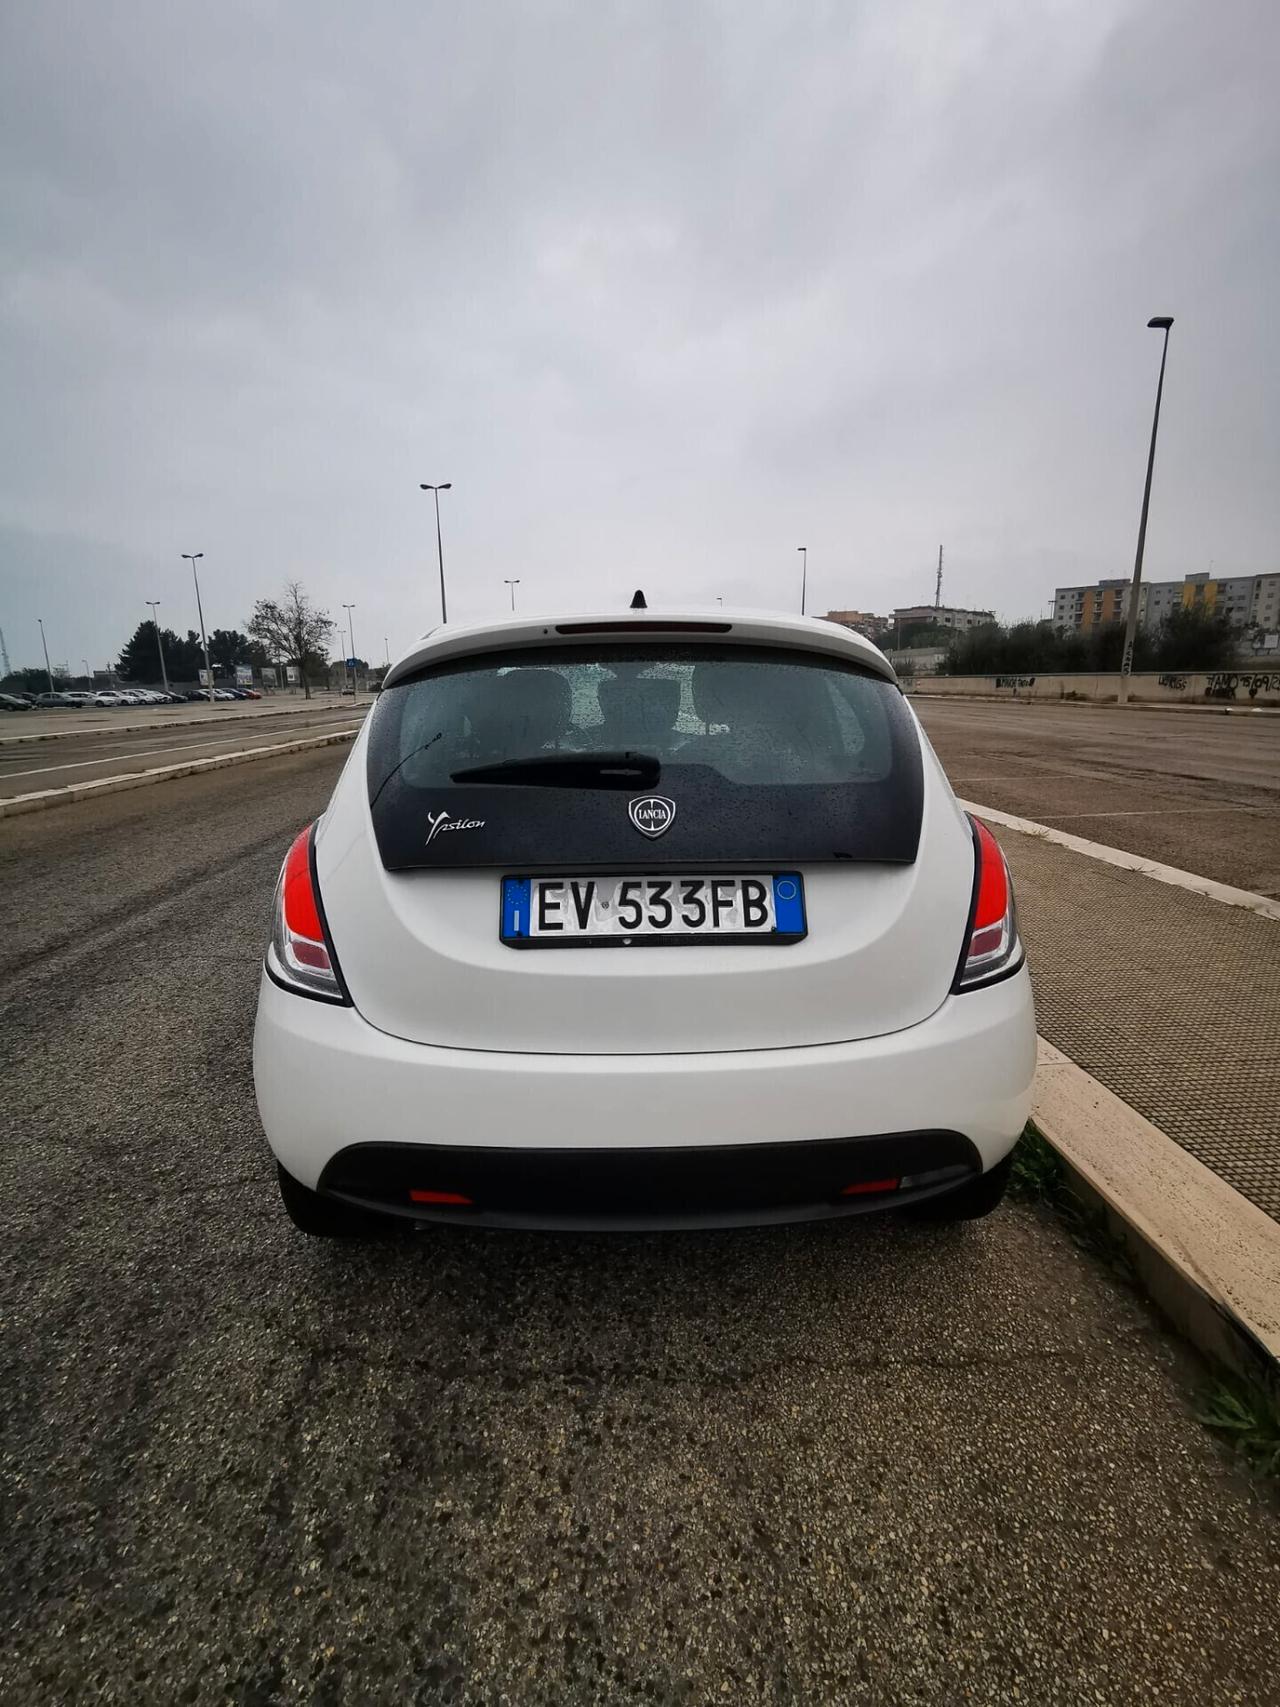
[107,697]
[14,702]
[642,919]
[48,701]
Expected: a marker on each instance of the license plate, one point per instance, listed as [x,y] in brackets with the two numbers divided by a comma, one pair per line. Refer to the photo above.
[627,912]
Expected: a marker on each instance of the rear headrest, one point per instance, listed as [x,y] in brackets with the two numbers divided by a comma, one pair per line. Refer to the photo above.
[727,693]
[522,710]
[737,694]
[640,704]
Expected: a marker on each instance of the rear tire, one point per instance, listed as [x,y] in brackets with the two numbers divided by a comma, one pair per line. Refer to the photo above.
[968,1202]
[325,1217]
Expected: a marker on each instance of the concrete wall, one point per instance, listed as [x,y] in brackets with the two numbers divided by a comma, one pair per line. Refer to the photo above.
[1225,687]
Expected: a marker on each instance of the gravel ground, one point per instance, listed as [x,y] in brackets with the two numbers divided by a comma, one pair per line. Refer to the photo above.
[866,1463]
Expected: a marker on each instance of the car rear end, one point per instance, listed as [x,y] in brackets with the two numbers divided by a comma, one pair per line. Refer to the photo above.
[644,920]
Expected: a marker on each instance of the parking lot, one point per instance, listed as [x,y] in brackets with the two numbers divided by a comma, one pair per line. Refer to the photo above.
[77,750]
[1190,789]
[868,1461]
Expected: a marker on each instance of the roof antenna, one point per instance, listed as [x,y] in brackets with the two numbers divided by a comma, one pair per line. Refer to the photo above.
[638,600]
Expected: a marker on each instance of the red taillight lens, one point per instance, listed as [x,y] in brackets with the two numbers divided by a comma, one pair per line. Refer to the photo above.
[300,955]
[992,949]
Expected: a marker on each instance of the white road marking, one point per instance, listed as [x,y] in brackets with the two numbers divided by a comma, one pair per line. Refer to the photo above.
[1263,905]
[148,753]
[1170,811]
[70,792]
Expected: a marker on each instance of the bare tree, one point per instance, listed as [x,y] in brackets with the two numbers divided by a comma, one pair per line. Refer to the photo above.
[292,630]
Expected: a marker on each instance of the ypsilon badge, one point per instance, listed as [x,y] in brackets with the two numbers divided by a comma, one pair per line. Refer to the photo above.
[653,814]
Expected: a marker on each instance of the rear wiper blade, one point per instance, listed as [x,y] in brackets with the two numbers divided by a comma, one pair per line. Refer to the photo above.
[569,770]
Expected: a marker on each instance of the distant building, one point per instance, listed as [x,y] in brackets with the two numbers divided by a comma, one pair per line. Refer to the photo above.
[861,621]
[1091,607]
[916,660]
[941,616]
[1249,601]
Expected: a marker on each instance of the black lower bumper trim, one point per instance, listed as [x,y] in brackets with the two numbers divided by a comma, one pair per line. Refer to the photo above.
[708,1184]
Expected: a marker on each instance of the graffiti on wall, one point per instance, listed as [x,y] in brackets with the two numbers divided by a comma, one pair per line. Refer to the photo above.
[1177,683]
[1015,682]
[1224,683]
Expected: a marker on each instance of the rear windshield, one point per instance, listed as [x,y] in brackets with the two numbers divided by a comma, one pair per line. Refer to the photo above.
[760,754]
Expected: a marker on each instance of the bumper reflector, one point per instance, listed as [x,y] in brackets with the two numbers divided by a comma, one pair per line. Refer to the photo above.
[454,1197]
[866,1185]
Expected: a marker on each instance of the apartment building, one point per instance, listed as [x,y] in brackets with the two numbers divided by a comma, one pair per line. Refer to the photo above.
[1249,601]
[861,621]
[942,616]
[1091,607]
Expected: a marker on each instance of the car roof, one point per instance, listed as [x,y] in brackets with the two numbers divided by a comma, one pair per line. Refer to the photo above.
[733,626]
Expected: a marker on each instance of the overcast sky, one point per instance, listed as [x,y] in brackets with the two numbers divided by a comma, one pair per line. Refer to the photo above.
[666,290]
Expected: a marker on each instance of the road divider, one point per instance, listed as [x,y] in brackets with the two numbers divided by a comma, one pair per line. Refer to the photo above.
[78,791]
[1207,1257]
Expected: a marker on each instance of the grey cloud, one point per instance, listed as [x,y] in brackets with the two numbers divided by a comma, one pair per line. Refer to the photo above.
[665,290]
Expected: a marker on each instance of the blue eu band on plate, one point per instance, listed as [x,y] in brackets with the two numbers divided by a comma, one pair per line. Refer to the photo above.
[626,911]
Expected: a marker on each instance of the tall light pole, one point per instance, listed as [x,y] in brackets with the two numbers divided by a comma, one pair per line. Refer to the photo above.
[444,486]
[48,672]
[351,630]
[513,585]
[88,673]
[804,573]
[164,674]
[1158,323]
[193,557]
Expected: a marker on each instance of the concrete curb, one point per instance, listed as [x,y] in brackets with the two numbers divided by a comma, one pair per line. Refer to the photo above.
[1093,704]
[1206,1256]
[78,791]
[202,722]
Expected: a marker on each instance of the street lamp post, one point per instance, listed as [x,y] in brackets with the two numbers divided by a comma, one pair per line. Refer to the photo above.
[164,674]
[1158,323]
[88,674]
[444,486]
[351,630]
[48,672]
[193,557]
[804,573]
[513,585]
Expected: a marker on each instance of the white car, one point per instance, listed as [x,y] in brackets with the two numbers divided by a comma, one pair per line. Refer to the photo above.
[651,919]
[105,696]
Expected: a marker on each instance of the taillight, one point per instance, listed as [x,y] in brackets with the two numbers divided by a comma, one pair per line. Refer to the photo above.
[992,949]
[300,955]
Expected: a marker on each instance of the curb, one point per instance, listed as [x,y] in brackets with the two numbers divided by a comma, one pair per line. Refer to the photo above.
[1097,704]
[1207,1257]
[178,723]
[21,804]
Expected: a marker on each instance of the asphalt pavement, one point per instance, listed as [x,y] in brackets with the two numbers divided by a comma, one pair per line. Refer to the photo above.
[1185,788]
[83,754]
[869,1462]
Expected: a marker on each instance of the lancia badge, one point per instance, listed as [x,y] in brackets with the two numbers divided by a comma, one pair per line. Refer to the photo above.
[653,814]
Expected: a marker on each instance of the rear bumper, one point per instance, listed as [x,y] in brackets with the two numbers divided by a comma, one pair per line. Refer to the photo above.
[328,1082]
[725,1185]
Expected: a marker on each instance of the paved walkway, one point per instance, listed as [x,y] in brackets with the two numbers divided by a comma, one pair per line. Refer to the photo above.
[1170,999]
